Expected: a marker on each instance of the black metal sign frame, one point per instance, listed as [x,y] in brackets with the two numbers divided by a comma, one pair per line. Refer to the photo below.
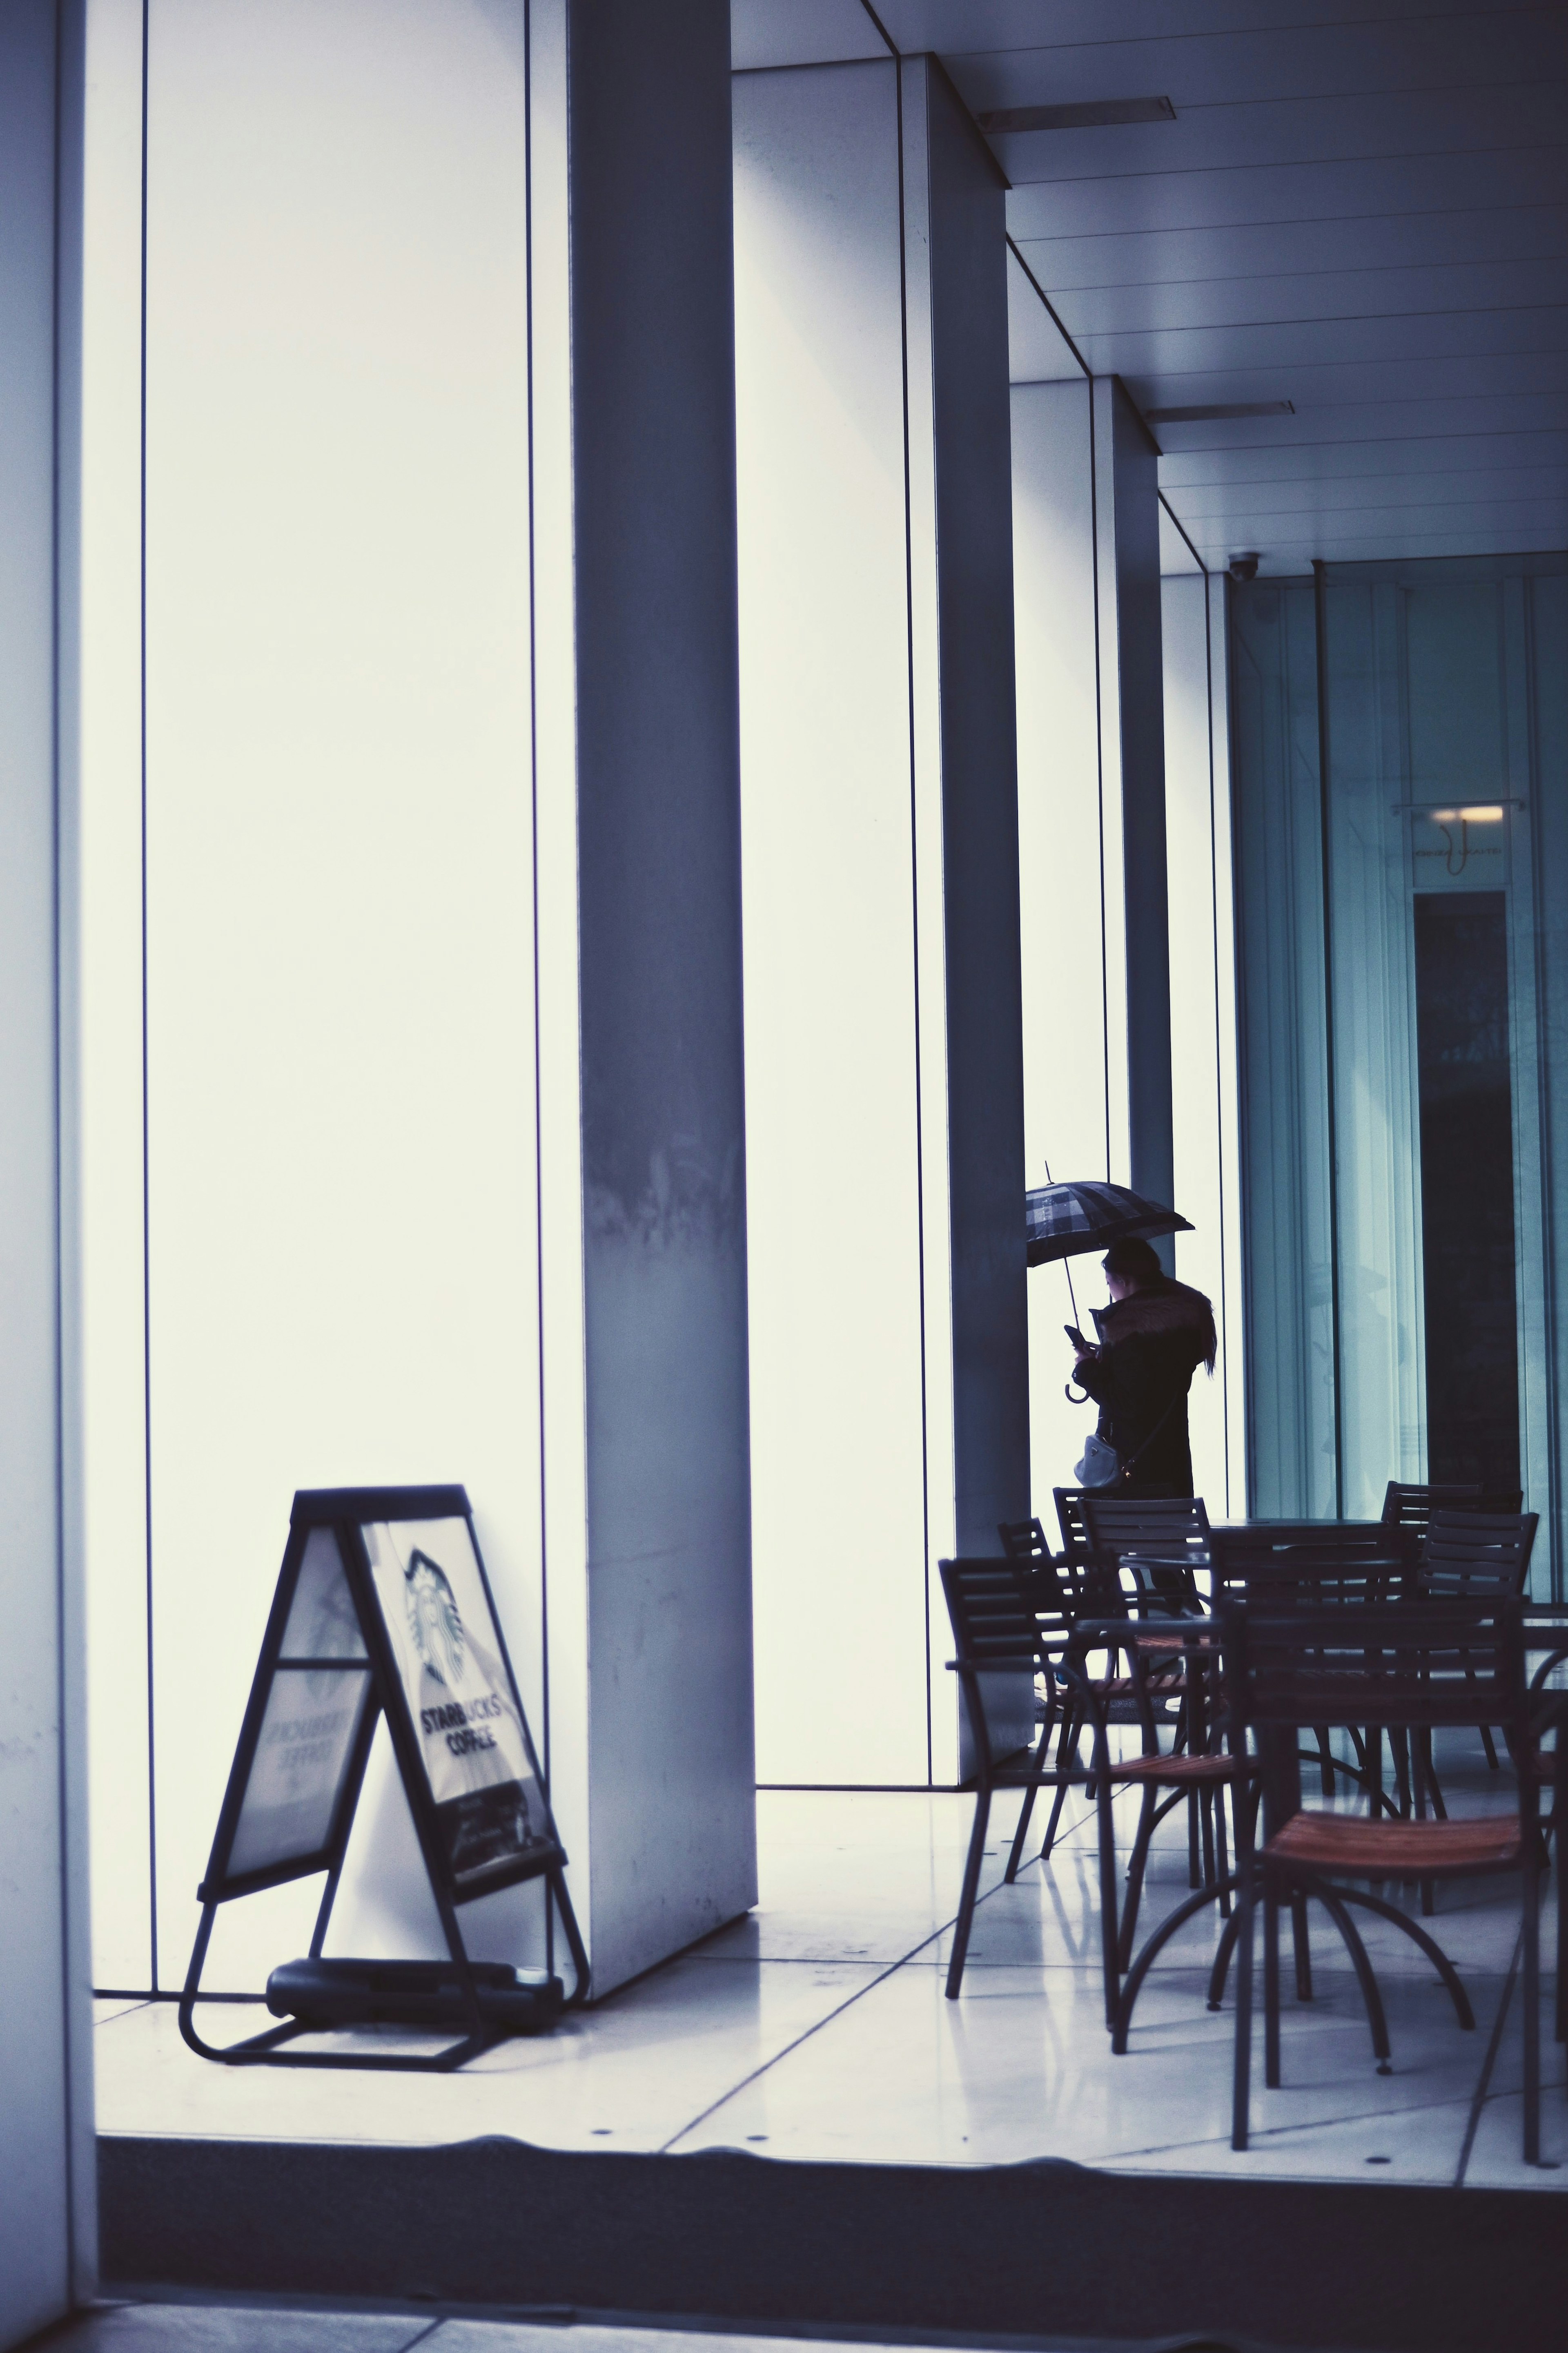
[345,1513]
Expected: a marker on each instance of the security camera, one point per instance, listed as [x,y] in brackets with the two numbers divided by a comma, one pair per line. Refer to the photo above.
[1244,567]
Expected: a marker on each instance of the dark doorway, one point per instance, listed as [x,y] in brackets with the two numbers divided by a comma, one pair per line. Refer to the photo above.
[1466,1187]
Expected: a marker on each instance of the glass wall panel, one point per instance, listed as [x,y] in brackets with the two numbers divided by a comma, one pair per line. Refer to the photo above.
[1428,1085]
[1283,1046]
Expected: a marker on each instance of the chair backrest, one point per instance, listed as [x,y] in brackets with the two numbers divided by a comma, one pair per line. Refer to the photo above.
[1176,1525]
[1024,1541]
[1483,1554]
[992,1624]
[1300,1579]
[1406,1506]
[1408,1662]
[1070,1515]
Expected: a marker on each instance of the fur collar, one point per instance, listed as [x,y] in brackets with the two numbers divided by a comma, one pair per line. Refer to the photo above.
[1161,1308]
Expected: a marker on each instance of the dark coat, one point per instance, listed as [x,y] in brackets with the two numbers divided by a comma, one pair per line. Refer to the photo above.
[1150,1344]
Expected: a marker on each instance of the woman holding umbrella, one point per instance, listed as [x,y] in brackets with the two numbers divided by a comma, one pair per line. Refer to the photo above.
[1152,1338]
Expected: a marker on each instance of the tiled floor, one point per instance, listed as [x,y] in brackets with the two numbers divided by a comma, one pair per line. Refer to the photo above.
[817,2028]
[272,2328]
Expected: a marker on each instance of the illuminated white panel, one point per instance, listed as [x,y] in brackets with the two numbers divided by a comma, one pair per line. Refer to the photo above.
[341,1070]
[1059,872]
[1195,1036]
[832,1139]
[110,1021]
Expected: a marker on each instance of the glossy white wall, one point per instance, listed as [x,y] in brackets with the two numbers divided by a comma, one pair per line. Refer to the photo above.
[833,1141]
[884,1108]
[1068,1074]
[1202,1016]
[356,1207]
[341,1242]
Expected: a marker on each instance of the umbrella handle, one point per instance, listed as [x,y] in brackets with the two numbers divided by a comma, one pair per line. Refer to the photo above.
[1082,1399]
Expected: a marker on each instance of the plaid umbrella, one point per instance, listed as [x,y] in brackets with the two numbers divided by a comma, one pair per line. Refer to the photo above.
[1065,1221]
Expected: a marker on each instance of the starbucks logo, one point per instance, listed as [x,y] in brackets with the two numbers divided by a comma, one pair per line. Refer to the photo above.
[435,1624]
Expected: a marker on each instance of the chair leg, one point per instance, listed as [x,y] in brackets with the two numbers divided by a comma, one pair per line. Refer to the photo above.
[1372,1998]
[1067,1763]
[1242,2083]
[1135,1869]
[1531,1990]
[1434,1951]
[1301,1946]
[1486,1732]
[1270,1991]
[1109,1941]
[1222,1860]
[1135,1975]
[966,1900]
[1325,1758]
[1222,1958]
[1042,1750]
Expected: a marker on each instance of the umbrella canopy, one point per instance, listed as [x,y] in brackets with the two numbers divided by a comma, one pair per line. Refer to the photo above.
[1065,1221]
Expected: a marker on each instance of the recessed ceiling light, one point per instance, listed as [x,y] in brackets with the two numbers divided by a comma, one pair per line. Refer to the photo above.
[1214,410]
[1086,114]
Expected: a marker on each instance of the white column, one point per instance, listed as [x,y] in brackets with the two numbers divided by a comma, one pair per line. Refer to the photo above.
[1203,1015]
[1132,770]
[884,1066]
[1069,1085]
[647,1493]
[48,2206]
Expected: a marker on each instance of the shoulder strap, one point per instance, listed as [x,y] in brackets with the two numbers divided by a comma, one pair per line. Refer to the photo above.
[1126,1471]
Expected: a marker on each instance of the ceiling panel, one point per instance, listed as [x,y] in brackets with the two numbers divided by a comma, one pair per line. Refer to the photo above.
[1320,350]
[1476,48]
[960,28]
[1343,299]
[1216,503]
[1288,193]
[1328,461]
[1207,139]
[1360,206]
[1267,252]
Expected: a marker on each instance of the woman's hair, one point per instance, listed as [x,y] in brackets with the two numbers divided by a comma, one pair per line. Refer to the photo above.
[1133,1258]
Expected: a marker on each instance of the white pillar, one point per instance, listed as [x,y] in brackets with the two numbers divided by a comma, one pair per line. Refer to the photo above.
[884,1067]
[1132,768]
[443,1079]
[642,1104]
[48,2205]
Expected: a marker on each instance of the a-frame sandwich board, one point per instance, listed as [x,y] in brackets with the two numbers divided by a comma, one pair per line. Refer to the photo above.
[383,1608]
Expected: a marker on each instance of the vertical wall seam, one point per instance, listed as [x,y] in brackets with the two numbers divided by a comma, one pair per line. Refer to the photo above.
[1099,766]
[1218,1038]
[63,1711]
[1543,1117]
[146,1155]
[533,910]
[1320,620]
[914,909]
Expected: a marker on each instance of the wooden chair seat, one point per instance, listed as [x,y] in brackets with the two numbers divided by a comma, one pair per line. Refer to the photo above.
[1350,1847]
[1175,1772]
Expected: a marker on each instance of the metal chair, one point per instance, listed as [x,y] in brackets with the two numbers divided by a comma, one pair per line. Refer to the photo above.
[1412,1506]
[1173,1527]
[1471,1555]
[1068,1502]
[1144,1695]
[997,1629]
[1410,1665]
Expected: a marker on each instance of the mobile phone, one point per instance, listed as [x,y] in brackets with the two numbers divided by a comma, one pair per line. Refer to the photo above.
[1076,1336]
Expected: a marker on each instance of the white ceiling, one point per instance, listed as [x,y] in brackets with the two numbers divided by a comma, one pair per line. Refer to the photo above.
[1360,208]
